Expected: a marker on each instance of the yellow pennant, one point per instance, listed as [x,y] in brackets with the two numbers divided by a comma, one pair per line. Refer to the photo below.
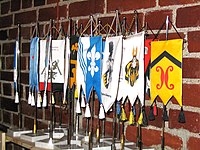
[166,70]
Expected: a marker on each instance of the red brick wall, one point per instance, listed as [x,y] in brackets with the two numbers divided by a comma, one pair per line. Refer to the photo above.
[183,13]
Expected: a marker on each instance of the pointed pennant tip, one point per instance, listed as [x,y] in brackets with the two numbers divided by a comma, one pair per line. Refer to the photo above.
[101,112]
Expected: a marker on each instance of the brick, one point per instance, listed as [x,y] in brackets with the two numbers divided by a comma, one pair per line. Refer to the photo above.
[3,35]
[3,66]
[131,133]
[26,3]
[176,2]
[79,8]
[192,19]
[192,123]
[42,125]
[7,89]
[16,120]
[8,48]
[25,17]
[157,18]
[193,41]
[8,104]
[25,32]
[23,63]
[15,5]
[154,134]
[28,123]
[125,5]
[25,77]
[39,2]
[5,7]
[43,14]
[173,141]
[6,21]
[6,117]
[191,95]
[7,76]
[191,72]
[193,143]
[51,1]
[9,62]
[25,47]
[12,34]
[30,111]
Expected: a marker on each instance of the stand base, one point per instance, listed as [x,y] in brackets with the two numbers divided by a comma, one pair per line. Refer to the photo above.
[46,143]
[31,137]
[16,132]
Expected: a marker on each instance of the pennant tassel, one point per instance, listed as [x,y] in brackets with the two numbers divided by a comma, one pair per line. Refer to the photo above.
[16,97]
[151,114]
[82,101]
[131,118]
[44,102]
[39,99]
[32,100]
[52,99]
[118,108]
[140,119]
[144,117]
[155,109]
[29,97]
[165,115]
[78,108]
[181,117]
[101,112]
[87,111]
[123,115]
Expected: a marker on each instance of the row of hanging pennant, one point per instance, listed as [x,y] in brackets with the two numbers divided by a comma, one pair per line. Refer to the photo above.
[117,68]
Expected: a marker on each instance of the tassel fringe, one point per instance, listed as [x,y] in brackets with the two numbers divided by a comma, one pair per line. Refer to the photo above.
[151,114]
[87,111]
[181,117]
[29,98]
[78,108]
[32,100]
[82,101]
[16,97]
[165,115]
[123,115]
[44,103]
[39,100]
[155,109]
[101,112]
[144,117]
[140,119]
[118,108]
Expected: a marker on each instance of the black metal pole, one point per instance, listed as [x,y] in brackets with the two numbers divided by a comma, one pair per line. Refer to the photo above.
[19,77]
[114,127]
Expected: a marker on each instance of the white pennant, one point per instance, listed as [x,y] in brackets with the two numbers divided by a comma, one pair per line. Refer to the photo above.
[29,98]
[16,97]
[78,108]
[87,111]
[32,100]
[44,102]
[101,112]
[82,101]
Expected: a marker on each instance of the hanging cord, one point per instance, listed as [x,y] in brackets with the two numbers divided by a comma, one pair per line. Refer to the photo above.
[89,24]
[167,22]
